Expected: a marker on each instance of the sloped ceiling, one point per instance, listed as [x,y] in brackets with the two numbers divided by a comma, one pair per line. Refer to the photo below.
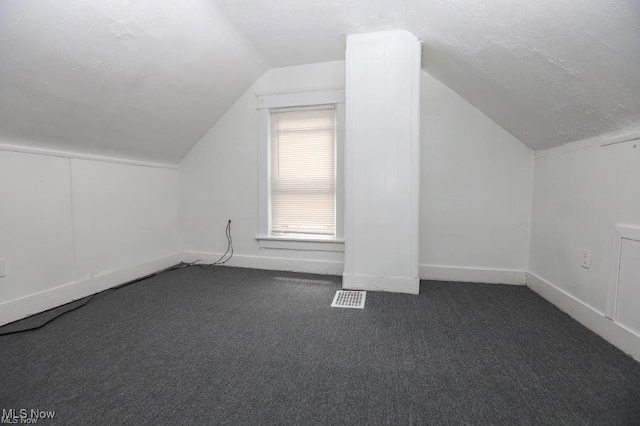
[145,79]
[141,79]
[548,71]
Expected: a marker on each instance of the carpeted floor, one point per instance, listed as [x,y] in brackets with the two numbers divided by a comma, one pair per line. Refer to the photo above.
[241,346]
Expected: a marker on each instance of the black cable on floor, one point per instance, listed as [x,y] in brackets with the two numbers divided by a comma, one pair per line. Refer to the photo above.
[89,298]
[228,252]
[7,333]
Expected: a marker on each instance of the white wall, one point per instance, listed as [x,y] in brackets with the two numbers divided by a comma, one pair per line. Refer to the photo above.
[580,195]
[476,183]
[382,162]
[123,215]
[36,227]
[219,180]
[70,227]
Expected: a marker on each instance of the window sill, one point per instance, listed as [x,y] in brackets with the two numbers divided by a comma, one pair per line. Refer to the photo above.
[300,243]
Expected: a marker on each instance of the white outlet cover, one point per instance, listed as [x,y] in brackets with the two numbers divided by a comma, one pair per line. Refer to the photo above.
[586,258]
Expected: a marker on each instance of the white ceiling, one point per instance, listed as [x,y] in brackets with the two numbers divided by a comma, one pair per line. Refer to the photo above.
[548,71]
[141,79]
[145,79]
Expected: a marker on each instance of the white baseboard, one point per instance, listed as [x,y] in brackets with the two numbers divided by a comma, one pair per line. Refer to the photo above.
[325,267]
[28,305]
[427,272]
[472,275]
[371,283]
[617,335]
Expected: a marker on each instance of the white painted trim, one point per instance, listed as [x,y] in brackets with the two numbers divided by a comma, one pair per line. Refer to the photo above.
[474,275]
[301,90]
[614,274]
[371,283]
[414,162]
[616,334]
[602,141]
[628,232]
[306,239]
[298,98]
[622,232]
[28,305]
[340,134]
[301,99]
[264,172]
[312,266]
[80,156]
[302,244]
[622,139]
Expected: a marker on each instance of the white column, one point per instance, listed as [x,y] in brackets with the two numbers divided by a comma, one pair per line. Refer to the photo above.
[382,162]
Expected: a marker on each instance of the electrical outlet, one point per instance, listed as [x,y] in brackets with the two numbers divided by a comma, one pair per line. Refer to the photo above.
[586,258]
[2,272]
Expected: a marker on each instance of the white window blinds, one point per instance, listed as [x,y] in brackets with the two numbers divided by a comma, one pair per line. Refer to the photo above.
[303,183]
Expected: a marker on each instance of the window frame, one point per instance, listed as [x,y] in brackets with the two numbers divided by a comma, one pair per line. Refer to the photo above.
[294,101]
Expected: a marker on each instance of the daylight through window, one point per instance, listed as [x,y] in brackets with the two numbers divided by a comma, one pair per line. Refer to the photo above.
[303,178]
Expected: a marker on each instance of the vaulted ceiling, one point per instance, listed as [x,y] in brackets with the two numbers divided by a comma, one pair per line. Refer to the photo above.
[142,79]
[146,79]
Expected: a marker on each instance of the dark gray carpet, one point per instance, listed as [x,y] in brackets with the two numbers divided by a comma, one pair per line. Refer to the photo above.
[240,346]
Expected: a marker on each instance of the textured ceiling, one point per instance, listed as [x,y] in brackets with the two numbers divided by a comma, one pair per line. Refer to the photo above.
[140,79]
[548,71]
[145,79]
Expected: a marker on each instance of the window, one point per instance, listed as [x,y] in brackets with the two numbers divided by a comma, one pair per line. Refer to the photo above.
[302,177]
[301,170]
